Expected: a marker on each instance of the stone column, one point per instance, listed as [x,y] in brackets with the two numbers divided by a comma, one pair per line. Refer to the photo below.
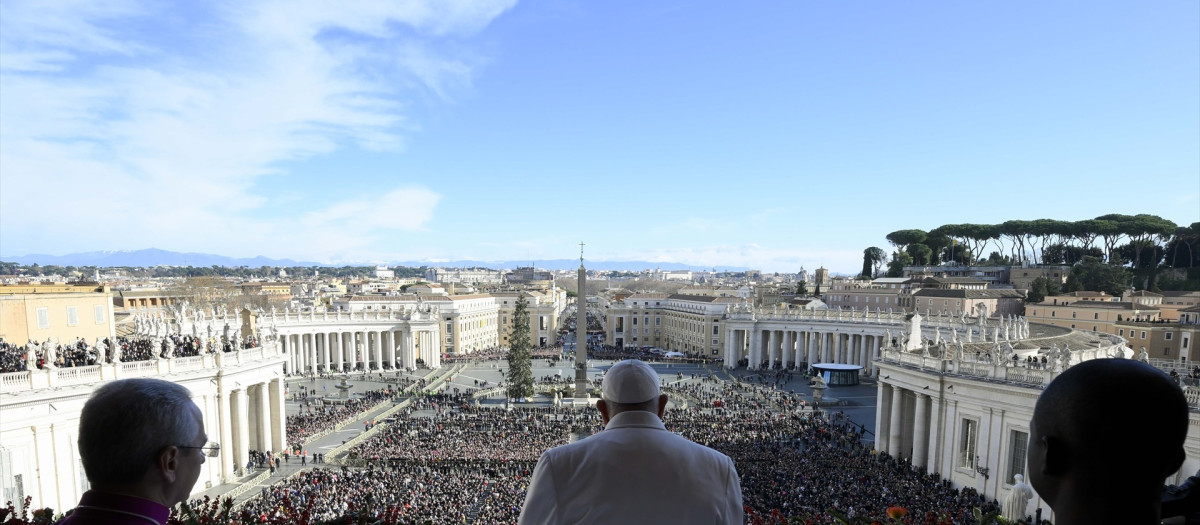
[862,351]
[883,416]
[263,417]
[895,425]
[225,413]
[381,349]
[365,344]
[312,351]
[921,432]
[241,435]
[755,349]
[797,347]
[788,350]
[278,416]
[326,351]
[772,347]
[730,362]
[293,355]
[335,350]
[811,347]
[391,348]
[301,358]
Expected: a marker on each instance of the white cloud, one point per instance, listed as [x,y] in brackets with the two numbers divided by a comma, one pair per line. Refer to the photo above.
[111,133]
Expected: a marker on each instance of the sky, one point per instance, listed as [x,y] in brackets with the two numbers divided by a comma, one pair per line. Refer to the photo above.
[768,135]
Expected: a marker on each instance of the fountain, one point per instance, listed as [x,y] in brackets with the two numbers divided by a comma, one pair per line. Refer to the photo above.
[343,395]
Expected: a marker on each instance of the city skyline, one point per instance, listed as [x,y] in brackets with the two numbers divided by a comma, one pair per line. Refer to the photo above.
[768,137]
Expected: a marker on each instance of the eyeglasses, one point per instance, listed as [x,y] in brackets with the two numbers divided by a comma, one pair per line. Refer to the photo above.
[211,449]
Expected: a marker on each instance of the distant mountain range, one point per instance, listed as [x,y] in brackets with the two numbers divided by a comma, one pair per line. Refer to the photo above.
[157,257]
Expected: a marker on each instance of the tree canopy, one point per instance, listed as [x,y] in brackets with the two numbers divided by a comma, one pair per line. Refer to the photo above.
[1142,241]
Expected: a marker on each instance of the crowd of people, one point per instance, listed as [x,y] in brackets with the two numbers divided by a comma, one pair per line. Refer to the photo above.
[16,358]
[470,433]
[446,459]
[317,416]
[412,493]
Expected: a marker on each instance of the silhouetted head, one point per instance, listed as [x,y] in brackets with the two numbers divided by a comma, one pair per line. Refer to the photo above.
[1106,426]
[630,385]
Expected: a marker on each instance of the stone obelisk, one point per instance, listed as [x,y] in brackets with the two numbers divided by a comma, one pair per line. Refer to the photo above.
[581,331]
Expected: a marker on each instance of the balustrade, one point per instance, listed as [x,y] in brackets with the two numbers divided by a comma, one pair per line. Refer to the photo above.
[1192,394]
[81,375]
[15,380]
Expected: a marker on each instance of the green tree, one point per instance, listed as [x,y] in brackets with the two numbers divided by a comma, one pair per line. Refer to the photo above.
[1181,250]
[802,288]
[873,259]
[520,355]
[1093,274]
[920,253]
[903,238]
[900,259]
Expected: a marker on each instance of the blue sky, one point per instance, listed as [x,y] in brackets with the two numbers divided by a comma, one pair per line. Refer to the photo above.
[771,135]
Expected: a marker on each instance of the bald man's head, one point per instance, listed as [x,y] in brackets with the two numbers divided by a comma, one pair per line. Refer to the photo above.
[1107,419]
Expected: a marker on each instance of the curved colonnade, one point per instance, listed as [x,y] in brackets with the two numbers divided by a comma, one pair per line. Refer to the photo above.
[771,337]
[343,341]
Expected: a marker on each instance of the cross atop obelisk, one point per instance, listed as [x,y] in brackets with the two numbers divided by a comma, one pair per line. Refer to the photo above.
[581,330]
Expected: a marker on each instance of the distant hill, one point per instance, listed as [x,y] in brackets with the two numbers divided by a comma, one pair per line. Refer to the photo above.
[149,257]
[156,257]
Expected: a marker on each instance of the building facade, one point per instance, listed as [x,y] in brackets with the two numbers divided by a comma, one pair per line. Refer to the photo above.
[64,313]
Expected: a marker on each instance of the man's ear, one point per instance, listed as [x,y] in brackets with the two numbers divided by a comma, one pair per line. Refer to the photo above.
[168,463]
[603,408]
[662,405]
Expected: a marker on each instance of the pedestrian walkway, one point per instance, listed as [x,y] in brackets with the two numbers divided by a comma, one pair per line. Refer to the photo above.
[254,481]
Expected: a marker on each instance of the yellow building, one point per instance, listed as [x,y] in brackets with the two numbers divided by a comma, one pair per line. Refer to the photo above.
[62,312]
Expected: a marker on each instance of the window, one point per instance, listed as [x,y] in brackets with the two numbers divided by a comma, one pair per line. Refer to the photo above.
[1143,334]
[1072,315]
[715,330]
[966,443]
[72,316]
[1168,335]
[43,316]
[1167,351]
[1017,454]
[100,314]
[656,321]
[1185,343]
[1121,332]
[1096,315]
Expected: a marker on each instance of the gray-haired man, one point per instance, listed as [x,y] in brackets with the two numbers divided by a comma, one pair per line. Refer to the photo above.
[142,443]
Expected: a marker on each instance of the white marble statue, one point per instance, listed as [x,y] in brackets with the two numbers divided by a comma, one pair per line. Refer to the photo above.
[101,350]
[1143,356]
[1064,358]
[31,355]
[1016,505]
[50,352]
[169,352]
